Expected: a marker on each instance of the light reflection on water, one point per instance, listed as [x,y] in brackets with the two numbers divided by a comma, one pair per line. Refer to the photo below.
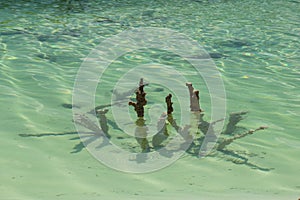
[255,46]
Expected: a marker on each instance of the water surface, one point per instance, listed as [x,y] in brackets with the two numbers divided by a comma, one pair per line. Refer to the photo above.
[254,44]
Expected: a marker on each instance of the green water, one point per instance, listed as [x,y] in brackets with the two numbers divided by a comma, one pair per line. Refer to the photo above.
[254,44]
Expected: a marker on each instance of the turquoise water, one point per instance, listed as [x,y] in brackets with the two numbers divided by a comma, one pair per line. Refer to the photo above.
[254,44]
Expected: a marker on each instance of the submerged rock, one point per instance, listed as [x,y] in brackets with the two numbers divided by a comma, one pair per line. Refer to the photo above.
[69,106]
[159,89]
[217,55]
[104,20]
[236,43]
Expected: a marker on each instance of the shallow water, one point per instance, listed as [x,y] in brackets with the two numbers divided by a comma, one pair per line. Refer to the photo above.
[255,46]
